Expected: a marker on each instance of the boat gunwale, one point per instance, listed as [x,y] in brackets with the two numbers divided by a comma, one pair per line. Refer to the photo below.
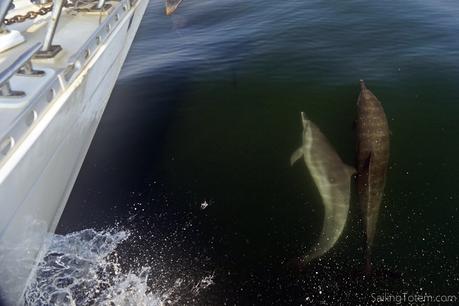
[62,79]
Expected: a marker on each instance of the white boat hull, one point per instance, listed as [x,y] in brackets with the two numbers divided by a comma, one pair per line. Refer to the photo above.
[34,194]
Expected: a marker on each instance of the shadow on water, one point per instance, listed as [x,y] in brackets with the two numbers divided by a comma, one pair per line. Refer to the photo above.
[132,129]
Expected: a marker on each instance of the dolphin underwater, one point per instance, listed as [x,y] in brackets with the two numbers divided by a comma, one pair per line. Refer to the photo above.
[333,180]
[171,6]
[372,161]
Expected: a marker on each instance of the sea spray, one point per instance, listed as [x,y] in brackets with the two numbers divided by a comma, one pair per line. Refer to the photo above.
[82,268]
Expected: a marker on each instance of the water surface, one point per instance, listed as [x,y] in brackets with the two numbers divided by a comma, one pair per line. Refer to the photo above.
[207,108]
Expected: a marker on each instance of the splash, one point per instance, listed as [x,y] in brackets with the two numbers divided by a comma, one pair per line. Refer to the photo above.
[83,268]
[203,284]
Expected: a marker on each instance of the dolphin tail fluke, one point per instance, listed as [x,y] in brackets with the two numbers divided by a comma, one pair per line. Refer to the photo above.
[296,156]
[368,267]
[313,255]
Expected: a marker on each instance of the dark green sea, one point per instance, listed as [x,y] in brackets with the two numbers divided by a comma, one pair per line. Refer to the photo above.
[207,109]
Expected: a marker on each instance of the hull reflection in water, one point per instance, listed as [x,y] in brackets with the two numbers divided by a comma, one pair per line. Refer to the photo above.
[333,180]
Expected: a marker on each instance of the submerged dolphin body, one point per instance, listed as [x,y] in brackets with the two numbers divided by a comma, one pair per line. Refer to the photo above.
[333,180]
[171,6]
[372,161]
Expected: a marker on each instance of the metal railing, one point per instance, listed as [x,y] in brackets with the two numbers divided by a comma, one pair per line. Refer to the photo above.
[21,65]
[54,87]
[4,8]
[49,50]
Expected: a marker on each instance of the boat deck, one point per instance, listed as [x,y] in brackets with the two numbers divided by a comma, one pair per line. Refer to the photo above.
[75,30]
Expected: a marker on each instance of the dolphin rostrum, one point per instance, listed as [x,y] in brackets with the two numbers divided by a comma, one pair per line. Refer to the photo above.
[171,6]
[372,161]
[333,180]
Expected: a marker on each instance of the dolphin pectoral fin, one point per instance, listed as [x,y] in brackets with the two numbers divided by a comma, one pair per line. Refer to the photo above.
[296,156]
[350,170]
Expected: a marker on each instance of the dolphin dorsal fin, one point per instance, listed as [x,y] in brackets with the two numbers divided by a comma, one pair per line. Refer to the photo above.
[366,165]
[366,169]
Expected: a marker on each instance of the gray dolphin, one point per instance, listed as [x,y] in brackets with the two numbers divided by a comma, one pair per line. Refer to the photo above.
[171,6]
[333,180]
[372,161]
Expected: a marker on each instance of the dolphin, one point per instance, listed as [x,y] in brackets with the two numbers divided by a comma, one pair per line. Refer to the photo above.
[171,6]
[372,161]
[333,180]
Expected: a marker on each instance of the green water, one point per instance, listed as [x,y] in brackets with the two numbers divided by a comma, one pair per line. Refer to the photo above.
[231,143]
[227,82]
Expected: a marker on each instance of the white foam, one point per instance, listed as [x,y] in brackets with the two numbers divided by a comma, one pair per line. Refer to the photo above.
[82,268]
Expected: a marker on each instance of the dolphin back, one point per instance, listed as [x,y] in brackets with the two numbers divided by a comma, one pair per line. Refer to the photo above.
[372,158]
[332,178]
[336,201]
